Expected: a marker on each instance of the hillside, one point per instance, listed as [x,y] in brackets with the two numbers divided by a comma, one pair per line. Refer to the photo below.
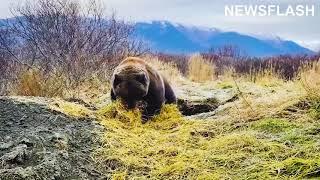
[166,37]
[265,130]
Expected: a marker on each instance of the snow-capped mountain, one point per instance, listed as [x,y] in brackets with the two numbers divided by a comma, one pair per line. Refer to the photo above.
[167,37]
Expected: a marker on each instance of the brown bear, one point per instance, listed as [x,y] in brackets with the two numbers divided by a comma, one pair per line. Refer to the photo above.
[133,80]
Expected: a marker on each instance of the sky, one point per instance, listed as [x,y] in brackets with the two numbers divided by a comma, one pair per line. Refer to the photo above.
[211,14]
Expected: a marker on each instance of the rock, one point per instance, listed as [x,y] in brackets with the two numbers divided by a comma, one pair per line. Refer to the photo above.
[4,146]
[26,142]
[17,155]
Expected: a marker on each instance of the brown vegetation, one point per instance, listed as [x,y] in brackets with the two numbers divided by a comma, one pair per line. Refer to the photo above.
[63,39]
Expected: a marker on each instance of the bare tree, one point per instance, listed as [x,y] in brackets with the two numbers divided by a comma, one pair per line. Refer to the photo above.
[6,65]
[65,36]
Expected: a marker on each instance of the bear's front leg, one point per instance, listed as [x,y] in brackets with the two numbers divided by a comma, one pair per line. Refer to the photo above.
[154,101]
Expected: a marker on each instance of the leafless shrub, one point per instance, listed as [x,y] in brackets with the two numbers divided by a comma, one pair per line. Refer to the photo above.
[283,66]
[230,51]
[66,38]
[7,67]
[224,59]
[181,61]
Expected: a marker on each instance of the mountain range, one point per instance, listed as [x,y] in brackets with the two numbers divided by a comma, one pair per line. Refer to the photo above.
[167,37]
[173,38]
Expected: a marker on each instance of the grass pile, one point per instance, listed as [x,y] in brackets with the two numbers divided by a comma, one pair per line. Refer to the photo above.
[71,109]
[171,147]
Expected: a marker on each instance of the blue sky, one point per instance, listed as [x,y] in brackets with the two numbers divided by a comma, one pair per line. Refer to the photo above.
[210,13]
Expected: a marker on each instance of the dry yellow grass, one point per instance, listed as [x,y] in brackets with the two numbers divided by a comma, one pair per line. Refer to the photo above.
[167,147]
[266,78]
[311,80]
[93,90]
[199,70]
[171,147]
[33,82]
[70,109]
[261,100]
[168,70]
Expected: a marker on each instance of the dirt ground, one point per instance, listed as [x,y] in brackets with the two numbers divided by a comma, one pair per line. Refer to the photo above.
[38,143]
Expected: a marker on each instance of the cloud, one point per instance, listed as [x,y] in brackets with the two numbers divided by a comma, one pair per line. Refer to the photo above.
[312,44]
[210,13]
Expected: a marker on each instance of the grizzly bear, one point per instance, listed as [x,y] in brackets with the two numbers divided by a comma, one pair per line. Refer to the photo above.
[134,81]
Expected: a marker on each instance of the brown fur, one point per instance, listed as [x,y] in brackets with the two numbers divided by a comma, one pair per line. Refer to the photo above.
[134,80]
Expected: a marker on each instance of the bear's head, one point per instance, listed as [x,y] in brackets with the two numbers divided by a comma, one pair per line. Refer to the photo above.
[131,85]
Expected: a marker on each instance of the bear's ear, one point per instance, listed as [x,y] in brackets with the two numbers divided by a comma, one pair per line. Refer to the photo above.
[141,78]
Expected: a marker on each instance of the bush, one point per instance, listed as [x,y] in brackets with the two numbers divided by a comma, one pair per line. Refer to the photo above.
[180,61]
[284,66]
[200,70]
[311,81]
[33,82]
[72,36]
[168,69]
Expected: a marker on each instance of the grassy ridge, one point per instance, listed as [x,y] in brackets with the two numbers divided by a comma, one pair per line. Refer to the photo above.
[171,147]
[270,132]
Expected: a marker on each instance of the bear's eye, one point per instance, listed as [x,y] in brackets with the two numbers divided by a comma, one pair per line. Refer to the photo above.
[141,78]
